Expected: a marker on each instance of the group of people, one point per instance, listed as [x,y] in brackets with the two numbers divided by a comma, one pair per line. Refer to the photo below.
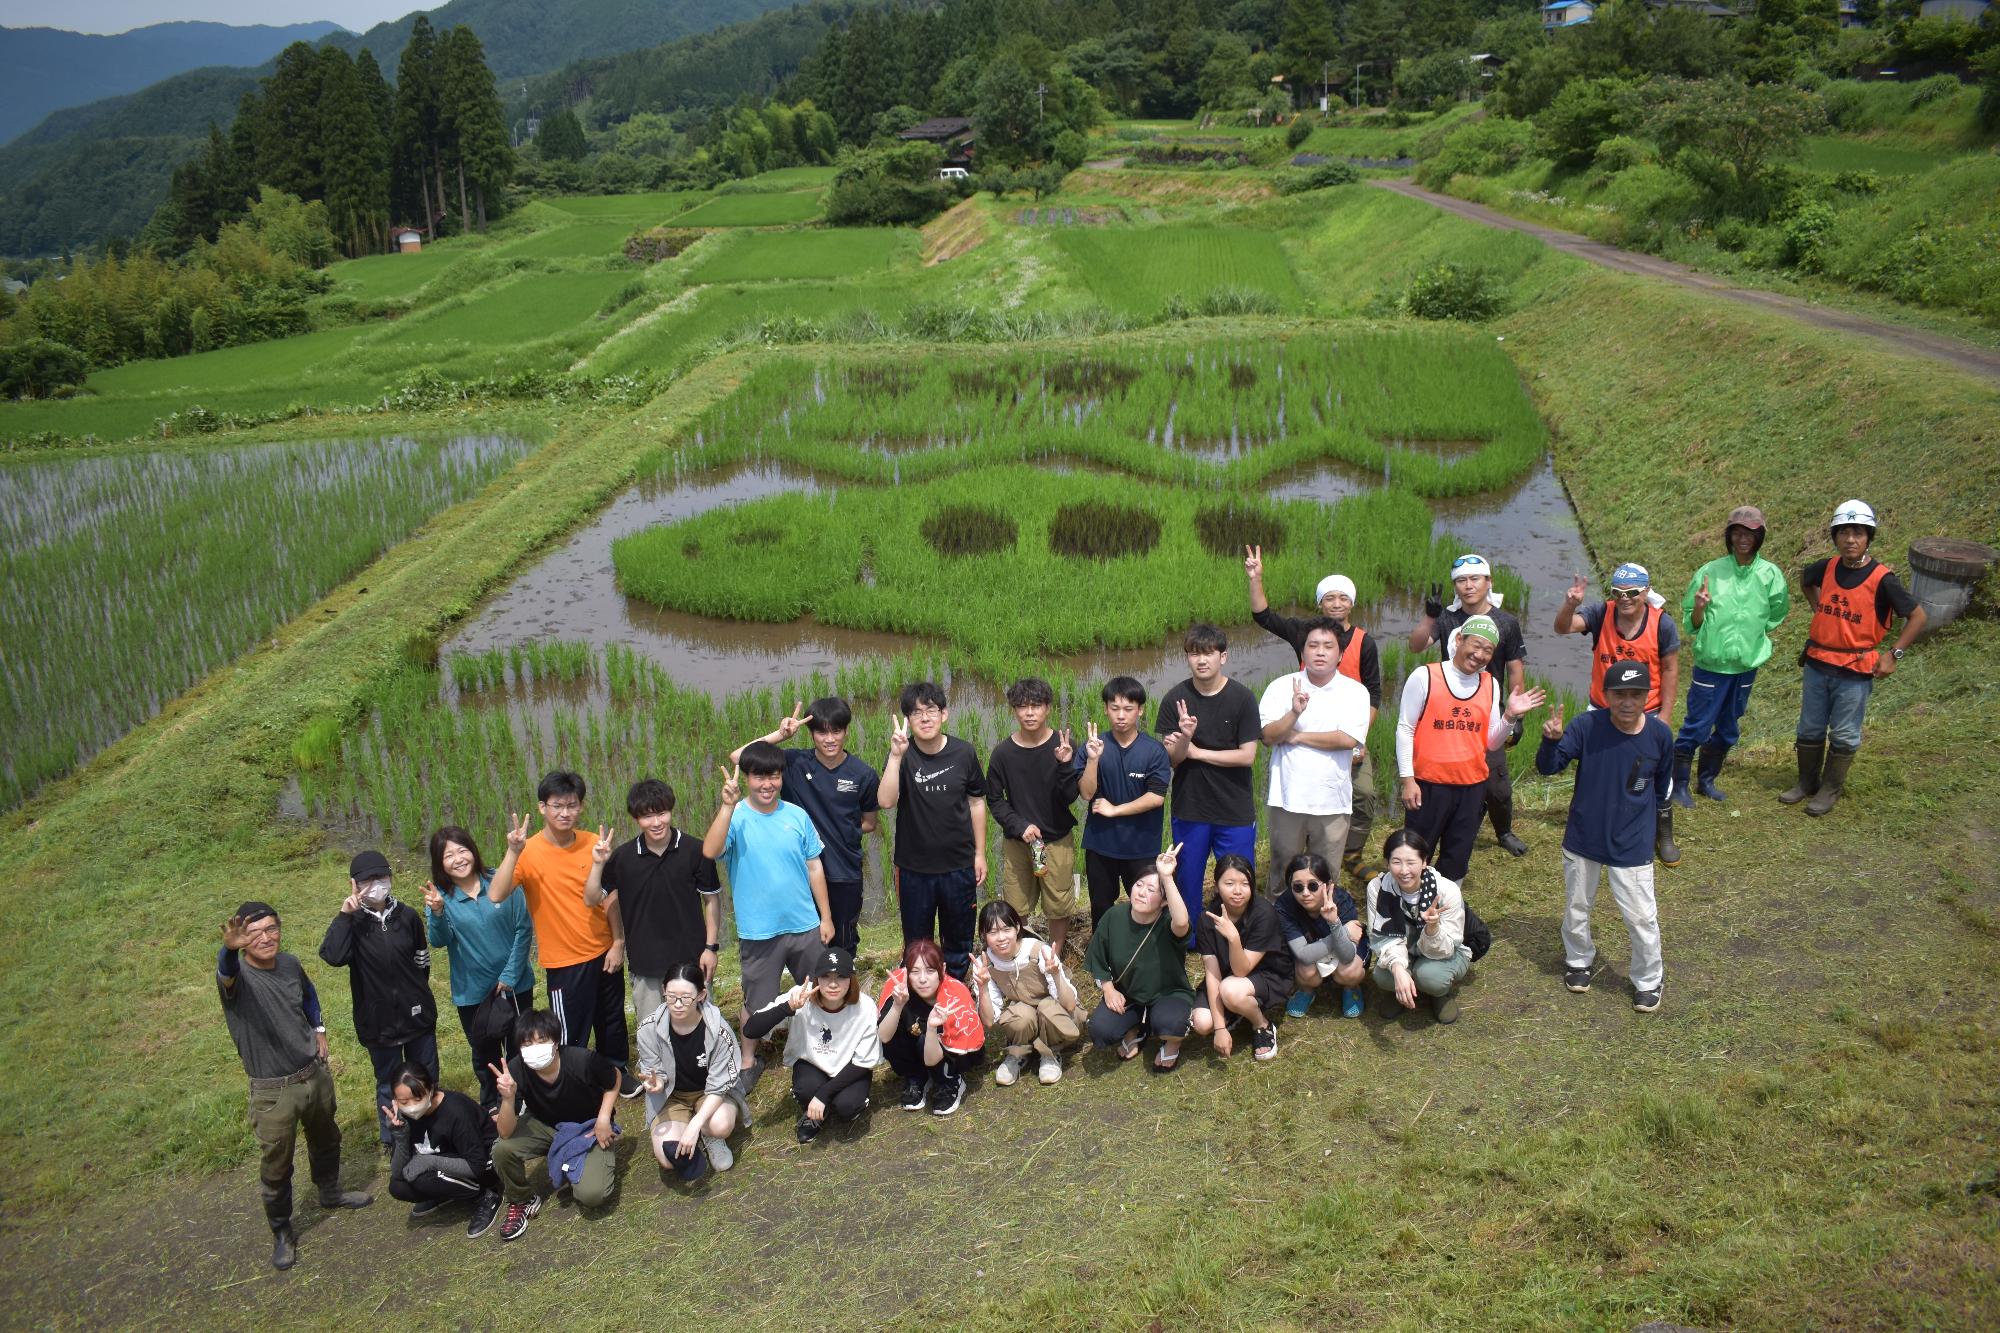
[787,834]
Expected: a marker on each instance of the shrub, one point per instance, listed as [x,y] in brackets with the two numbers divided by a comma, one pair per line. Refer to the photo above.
[1484,148]
[37,367]
[1585,113]
[1734,234]
[1069,150]
[1298,132]
[1453,291]
[1322,177]
[1097,530]
[1936,88]
[969,529]
[1620,152]
[888,187]
[1224,529]
[1856,182]
[1806,233]
[1650,197]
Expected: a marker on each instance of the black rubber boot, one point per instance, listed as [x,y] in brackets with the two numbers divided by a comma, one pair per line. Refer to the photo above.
[1830,782]
[1812,757]
[284,1247]
[1712,755]
[1502,814]
[332,1196]
[1663,838]
[1683,793]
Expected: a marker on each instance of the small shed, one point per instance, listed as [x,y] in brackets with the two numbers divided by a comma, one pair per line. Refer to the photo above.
[409,240]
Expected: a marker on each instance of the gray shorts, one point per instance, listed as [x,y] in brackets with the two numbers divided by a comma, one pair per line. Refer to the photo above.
[762,961]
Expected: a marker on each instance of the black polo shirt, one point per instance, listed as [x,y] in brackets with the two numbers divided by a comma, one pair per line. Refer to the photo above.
[659,900]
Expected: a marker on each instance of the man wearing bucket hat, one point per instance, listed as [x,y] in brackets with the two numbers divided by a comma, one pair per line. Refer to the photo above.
[1632,625]
[1472,578]
[1450,731]
[1732,605]
[1854,598]
[1624,775]
[1359,660]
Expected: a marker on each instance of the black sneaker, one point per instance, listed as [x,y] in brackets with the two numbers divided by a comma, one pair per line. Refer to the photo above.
[425,1207]
[950,1092]
[808,1128]
[1264,1042]
[1577,979]
[1646,1001]
[518,1215]
[913,1094]
[1513,844]
[484,1209]
[629,1087]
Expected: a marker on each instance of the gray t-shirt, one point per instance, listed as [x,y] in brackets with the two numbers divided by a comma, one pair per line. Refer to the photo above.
[266,1013]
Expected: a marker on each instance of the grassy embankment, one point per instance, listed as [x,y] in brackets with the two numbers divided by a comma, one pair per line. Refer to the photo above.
[1802,1135]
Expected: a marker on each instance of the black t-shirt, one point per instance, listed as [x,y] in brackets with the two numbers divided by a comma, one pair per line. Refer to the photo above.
[659,899]
[1259,929]
[583,1077]
[835,799]
[1027,786]
[457,1128]
[690,1058]
[934,818]
[1207,793]
[1513,648]
[1890,597]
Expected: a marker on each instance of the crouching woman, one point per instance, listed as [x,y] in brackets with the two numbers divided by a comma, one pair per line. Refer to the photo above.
[832,1049]
[689,1061]
[1025,995]
[1138,957]
[1416,929]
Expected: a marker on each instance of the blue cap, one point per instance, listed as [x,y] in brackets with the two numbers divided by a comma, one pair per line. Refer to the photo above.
[1631,575]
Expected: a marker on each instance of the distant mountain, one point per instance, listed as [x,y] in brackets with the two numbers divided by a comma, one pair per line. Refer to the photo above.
[46,69]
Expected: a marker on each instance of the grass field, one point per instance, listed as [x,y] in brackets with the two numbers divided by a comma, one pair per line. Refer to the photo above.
[530,307]
[1138,269]
[752,210]
[638,209]
[583,240]
[1836,152]
[380,277]
[837,253]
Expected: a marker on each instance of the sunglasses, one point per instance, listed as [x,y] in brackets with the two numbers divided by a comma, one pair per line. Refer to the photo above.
[1307,885]
[1465,560]
[1628,594]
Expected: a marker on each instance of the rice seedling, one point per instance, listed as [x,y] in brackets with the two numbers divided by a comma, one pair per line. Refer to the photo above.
[753,210]
[1102,530]
[960,530]
[124,578]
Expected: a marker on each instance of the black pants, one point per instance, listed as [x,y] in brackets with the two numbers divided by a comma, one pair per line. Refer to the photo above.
[843,897]
[586,999]
[419,1050]
[492,1052]
[944,908]
[1110,876]
[1166,1017]
[808,1078]
[1449,820]
[432,1182]
[1499,796]
[905,1050]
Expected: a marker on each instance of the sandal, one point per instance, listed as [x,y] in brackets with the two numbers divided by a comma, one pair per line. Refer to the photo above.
[1163,1064]
[1128,1048]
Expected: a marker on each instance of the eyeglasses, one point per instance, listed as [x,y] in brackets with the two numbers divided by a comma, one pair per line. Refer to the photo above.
[926,712]
[1628,594]
[260,932]
[1307,885]
[680,1001]
[564,807]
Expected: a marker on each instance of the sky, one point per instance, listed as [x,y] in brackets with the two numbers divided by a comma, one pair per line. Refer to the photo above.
[121,15]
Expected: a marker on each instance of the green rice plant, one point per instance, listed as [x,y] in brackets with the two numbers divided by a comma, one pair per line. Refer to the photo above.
[1226,528]
[1139,269]
[840,252]
[753,210]
[1102,530]
[126,577]
[962,530]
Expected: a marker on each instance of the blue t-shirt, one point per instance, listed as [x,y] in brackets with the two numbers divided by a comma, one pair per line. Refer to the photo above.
[834,799]
[765,858]
[1125,775]
[1622,782]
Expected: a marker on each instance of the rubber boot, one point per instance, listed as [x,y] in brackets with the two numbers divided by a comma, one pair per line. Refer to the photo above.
[1683,793]
[1712,755]
[284,1247]
[1830,782]
[278,1212]
[1812,755]
[1663,838]
[332,1196]
[1502,814]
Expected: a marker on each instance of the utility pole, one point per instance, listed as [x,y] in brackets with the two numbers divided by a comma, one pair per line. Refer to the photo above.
[1357,80]
[1041,91]
[1325,87]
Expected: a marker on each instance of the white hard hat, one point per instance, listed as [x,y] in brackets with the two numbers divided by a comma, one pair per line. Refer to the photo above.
[1855,512]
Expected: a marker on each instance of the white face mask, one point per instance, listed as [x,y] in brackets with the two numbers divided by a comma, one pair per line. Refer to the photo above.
[540,1055]
[374,895]
[416,1112]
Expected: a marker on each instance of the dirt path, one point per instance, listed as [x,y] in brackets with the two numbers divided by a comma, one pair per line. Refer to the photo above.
[1977,360]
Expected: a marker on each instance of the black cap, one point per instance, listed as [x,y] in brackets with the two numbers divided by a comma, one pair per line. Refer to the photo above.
[368,865]
[256,911]
[1627,676]
[833,963]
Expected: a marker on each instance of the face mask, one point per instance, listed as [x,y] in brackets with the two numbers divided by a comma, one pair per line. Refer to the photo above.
[375,895]
[416,1112]
[540,1055]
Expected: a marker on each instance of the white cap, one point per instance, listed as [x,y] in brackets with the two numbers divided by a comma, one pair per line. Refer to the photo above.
[1334,583]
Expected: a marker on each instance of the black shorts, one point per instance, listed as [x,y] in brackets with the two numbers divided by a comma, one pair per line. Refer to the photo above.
[1271,991]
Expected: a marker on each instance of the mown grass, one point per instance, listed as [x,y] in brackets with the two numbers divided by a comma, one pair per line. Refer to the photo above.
[752,210]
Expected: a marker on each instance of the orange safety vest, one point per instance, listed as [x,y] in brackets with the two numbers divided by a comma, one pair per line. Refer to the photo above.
[1450,744]
[1846,631]
[1350,660]
[1613,647]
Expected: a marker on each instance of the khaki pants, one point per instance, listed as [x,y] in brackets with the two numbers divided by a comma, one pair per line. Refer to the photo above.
[522,1163]
[1294,833]
[1057,893]
[1043,1025]
[276,1115]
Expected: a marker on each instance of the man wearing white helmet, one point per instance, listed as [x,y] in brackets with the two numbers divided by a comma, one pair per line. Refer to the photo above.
[1472,578]
[1854,598]
[1359,660]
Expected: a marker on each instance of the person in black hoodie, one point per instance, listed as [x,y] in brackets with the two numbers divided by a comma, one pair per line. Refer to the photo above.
[443,1148]
[382,944]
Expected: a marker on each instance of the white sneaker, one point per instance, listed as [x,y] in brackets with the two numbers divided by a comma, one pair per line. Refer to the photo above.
[1051,1070]
[1008,1072]
[719,1155]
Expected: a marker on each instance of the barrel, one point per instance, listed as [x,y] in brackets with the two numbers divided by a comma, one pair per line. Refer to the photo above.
[1944,571]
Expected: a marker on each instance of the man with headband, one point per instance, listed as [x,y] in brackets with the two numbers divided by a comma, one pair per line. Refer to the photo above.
[1472,577]
[1359,661]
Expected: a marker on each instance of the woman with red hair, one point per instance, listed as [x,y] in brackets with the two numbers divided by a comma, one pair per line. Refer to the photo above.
[931,1033]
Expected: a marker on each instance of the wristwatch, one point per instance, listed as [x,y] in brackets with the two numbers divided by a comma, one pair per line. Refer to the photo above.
[1897,653]
[710,948]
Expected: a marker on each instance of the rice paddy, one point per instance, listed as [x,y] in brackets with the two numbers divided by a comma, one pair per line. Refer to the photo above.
[1139,269]
[832,253]
[752,210]
[125,578]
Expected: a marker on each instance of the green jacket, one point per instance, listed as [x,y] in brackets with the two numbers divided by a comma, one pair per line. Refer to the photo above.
[1746,602]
